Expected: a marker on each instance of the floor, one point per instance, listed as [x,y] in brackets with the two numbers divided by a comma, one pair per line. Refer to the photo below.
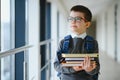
[110,69]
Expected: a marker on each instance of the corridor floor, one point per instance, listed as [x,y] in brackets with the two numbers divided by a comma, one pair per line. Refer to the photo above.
[110,69]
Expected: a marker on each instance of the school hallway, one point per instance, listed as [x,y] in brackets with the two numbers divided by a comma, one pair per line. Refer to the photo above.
[31,30]
[110,69]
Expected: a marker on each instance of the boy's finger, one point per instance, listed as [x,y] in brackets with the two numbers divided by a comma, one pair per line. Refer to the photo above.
[88,61]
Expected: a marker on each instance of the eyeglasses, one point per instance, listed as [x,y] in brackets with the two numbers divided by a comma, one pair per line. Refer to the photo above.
[76,19]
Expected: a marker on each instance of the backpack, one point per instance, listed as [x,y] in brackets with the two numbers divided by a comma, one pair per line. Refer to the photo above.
[88,46]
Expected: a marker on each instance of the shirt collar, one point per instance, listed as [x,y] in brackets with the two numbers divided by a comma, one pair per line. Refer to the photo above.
[83,35]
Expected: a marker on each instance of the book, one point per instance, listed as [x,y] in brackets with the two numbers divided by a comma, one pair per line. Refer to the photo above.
[77,62]
[79,55]
[71,63]
[76,58]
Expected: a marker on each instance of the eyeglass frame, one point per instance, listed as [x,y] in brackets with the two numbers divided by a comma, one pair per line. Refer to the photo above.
[76,19]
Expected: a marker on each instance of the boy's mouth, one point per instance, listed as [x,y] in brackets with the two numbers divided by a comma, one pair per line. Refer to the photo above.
[74,26]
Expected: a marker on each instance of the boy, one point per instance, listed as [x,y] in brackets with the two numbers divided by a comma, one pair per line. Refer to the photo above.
[79,20]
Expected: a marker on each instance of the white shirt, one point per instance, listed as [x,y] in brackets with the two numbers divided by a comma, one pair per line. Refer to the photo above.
[79,36]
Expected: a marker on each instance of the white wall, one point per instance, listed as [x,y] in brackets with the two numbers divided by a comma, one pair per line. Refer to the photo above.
[106,30]
[33,39]
[101,31]
[111,31]
[118,28]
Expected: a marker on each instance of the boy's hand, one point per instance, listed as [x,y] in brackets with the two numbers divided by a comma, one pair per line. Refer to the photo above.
[88,65]
[77,68]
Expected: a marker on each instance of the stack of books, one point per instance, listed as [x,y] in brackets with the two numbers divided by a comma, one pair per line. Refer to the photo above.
[76,59]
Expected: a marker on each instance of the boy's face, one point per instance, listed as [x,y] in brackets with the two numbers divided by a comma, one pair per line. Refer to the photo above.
[77,22]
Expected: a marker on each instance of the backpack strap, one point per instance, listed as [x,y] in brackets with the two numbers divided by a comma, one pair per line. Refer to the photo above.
[89,44]
[66,44]
[65,48]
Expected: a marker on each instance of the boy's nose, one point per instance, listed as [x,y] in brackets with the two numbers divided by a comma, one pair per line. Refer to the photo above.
[73,21]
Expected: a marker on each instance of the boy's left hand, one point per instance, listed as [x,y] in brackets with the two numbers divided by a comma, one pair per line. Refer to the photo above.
[88,65]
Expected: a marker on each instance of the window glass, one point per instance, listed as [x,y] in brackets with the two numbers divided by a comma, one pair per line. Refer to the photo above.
[5,38]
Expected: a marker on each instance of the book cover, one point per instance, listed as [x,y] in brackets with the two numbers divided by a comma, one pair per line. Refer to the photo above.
[70,64]
[76,58]
[79,55]
[73,63]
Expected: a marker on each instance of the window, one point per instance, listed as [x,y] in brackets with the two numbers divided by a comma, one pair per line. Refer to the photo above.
[6,40]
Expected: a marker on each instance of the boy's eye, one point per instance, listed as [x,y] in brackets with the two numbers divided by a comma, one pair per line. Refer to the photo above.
[70,18]
[78,18]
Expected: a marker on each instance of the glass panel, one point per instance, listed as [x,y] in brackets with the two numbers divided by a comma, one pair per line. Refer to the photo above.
[5,38]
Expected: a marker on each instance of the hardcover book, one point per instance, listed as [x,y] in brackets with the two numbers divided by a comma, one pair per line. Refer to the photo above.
[79,55]
[76,59]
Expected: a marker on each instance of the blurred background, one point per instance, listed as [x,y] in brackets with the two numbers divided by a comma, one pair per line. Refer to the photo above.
[30,31]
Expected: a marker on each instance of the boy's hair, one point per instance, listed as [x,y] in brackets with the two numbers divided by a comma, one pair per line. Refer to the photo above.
[87,13]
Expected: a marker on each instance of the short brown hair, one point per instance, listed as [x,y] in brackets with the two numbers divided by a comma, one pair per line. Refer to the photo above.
[83,9]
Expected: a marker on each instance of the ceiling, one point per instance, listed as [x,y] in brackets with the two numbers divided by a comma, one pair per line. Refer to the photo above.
[96,6]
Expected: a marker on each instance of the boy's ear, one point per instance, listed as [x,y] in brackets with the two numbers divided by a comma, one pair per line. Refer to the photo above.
[88,24]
